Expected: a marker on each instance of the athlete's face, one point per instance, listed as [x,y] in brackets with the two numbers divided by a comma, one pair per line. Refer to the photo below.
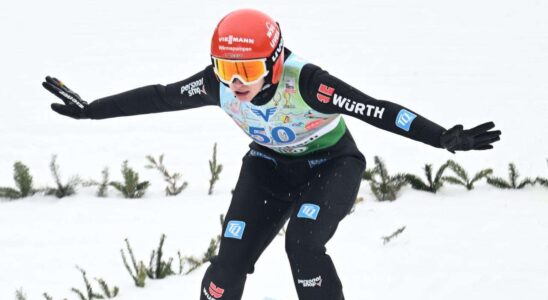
[245,92]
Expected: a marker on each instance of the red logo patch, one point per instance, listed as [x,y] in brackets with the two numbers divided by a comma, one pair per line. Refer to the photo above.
[313,124]
[324,93]
[215,291]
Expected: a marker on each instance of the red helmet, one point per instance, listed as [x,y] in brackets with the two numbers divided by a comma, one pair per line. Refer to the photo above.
[250,34]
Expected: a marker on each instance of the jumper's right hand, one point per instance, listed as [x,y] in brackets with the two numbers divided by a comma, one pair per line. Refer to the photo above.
[73,106]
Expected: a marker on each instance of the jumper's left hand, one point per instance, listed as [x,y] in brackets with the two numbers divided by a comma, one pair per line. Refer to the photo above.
[477,138]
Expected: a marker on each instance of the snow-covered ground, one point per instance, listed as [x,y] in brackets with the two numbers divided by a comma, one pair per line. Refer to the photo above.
[453,62]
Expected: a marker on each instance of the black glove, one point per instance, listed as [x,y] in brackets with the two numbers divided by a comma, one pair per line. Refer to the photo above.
[74,106]
[477,138]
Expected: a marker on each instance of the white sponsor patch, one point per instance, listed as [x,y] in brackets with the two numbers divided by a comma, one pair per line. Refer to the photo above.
[194,88]
[310,282]
[236,39]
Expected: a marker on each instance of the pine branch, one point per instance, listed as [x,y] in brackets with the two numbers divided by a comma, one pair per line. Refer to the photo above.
[368,174]
[499,182]
[388,186]
[140,271]
[107,292]
[23,179]
[173,188]
[20,294]
[61,190]
[433,184]
[459,171]
[215,169]
[9,193]
[513,182]
[513,175]
[428,172]
[438,182]
[416,182]
[542,181]
[525,182]
[454,180]
[480,175]
[131,188]
[103,186]
[387,239]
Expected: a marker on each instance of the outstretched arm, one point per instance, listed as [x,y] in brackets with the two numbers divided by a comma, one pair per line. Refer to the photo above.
[328,94]
[198,90]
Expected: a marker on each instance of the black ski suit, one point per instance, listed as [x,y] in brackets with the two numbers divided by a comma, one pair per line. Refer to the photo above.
[314,191]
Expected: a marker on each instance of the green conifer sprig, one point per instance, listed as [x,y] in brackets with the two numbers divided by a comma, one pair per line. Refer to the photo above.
[158,268]
[138,273]
[61,190]
[384,186]
[23,182]
[194,262]
[88,294]
[102,190]
[48,297]
[513,180]
[433,184]
[462,176]
[107,291]
[542,181]
[131,188]
[173,189]
[20,294]
[215,169]
[387,239]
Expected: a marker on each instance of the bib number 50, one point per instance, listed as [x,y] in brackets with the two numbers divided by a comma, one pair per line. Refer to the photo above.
[280,135]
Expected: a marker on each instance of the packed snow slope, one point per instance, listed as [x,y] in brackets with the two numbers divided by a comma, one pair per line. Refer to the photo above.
[454,62]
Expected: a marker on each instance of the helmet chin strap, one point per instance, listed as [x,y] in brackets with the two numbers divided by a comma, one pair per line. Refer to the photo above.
[266,86]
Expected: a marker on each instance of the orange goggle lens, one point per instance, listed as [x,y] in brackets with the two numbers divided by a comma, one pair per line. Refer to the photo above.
[247,71]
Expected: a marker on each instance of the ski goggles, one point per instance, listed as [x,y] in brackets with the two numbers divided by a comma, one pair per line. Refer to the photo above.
[247,71]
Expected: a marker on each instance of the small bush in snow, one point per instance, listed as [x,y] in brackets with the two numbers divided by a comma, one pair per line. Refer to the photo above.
[107,291]
[384,186]
[194,262]
[20,295]
[138,273]
[173,189]
[61,190]
[513,180]
[542,181]
[48,297]
[131,188]
[215,170]
[89,294]
[102,190]
[23,182]
[157,267]
[433,185]
[462,176]
[387,239]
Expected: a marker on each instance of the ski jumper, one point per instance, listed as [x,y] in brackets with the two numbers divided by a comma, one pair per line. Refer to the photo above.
[302,166]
